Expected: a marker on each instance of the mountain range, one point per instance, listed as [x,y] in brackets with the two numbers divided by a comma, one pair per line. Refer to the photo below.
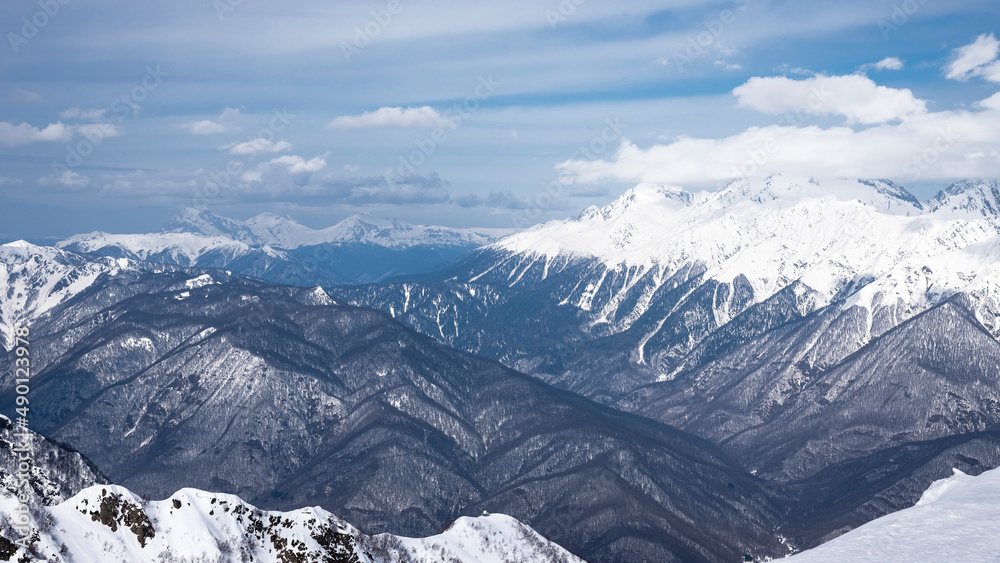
[690,376]
[804,327]
[361,248]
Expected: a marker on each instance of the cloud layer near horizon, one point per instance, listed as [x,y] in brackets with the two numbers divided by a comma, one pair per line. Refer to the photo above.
[887,133]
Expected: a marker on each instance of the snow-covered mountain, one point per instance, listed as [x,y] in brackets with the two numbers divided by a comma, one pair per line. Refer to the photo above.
[956,519]
[639,265]
[361,248]
[870,241]
[110,523]
[36,279]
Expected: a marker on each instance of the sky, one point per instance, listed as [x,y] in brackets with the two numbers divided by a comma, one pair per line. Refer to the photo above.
[116,115]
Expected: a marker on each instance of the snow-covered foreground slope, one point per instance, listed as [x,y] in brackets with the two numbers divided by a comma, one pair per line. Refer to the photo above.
[108,523]
[956,519]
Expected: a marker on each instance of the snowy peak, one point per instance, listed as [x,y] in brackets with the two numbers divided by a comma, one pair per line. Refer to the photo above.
[968,199]
[205,223]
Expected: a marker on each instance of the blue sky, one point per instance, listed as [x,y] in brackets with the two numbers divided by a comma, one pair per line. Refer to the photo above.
[473,113]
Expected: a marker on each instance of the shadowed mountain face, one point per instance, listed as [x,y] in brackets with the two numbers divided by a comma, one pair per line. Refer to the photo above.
[287,398]
[852,438]
[777,404]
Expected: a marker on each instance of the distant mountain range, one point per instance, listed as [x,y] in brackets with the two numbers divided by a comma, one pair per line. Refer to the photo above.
[359,249]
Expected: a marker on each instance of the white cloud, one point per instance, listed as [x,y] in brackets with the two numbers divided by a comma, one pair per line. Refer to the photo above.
[425,116]
[251,176]
[13,135]
[926,145]
[21,134]
[26,97]
[854,96]
[88,114]
[227,121]
[94,131]
[205,127]
[257,146]
[296,164]
[974,60]
[888,63]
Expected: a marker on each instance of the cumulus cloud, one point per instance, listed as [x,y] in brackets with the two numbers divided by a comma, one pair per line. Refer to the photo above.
[298,165]
[258,146]
[921,145]
[978,58]
[226,121]
[425,116]
[13,135]
[856,97]
[88,114]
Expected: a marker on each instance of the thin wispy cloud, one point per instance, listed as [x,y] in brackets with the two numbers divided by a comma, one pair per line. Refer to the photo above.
[87,114]
[20,96]
[888,63]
